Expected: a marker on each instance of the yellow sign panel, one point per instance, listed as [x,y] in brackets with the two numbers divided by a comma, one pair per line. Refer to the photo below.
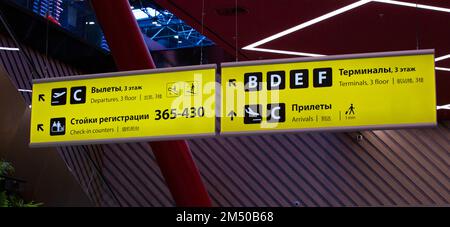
[382,90]
[152,104]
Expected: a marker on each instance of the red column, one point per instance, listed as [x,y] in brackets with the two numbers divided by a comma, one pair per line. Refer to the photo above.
[130,53]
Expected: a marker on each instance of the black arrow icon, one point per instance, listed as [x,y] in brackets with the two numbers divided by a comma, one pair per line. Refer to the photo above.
[39,127]
[232,82]
[41,97]
[232,114]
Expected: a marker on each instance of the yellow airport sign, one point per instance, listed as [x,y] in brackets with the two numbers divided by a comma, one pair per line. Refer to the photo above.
[361,91]
[146,105]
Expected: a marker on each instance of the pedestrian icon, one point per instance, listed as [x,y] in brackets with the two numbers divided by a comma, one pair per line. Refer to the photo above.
[59,96]
[252,114]
[192,88]
[57,126]
[351,110]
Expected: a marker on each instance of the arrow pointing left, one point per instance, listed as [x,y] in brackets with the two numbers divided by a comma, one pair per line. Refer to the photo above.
[40,127]
[231,82]
[41,97]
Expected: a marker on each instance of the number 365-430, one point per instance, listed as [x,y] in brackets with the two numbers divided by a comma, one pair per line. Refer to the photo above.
[189,112]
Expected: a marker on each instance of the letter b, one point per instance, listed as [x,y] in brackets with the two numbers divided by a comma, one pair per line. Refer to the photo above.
[253,81]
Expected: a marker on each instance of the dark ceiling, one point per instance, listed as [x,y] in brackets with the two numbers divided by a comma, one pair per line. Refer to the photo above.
[374,26]
[371,27]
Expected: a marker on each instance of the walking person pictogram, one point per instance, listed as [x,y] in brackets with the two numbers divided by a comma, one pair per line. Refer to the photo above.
[351,110]
[192,89]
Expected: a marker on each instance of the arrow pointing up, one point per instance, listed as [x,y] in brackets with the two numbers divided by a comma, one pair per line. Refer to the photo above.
[232,114]
[39,127]
[41,97]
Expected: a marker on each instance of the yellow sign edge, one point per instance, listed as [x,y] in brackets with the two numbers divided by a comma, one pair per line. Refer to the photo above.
[125,73]
[328,58]
[333,129]
[120,140]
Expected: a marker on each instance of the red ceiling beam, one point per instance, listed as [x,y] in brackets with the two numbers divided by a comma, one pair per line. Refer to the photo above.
[130,53]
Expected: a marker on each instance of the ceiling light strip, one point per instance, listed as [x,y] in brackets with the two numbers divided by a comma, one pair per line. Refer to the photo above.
[442,69]
[286,52]
[308,23]
[319,55]
[442,57]
[25,90]
[332,14]
[9,48]
[444,107]
[414,5]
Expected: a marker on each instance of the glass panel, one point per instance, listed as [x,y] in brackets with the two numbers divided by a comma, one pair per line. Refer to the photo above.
[161,29]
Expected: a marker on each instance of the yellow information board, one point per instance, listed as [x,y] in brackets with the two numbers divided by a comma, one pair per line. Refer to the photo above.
[362,91]
[346,92]
[127,106]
